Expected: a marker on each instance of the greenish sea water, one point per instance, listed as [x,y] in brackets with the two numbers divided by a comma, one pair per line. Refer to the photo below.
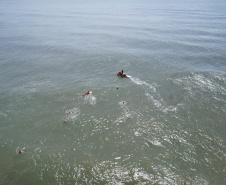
[165,124]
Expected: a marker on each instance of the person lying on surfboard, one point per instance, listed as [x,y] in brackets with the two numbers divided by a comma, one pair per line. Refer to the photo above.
[89,92]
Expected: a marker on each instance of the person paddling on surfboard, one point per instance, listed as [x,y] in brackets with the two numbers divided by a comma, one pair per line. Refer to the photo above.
[87,93]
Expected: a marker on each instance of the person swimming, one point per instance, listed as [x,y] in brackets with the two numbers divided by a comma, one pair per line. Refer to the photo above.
[86,93]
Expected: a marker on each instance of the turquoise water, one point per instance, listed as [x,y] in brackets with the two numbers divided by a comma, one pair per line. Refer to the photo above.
[164,125]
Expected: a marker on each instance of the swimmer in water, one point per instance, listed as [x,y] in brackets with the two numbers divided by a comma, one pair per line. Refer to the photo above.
[21,152]
[86,93]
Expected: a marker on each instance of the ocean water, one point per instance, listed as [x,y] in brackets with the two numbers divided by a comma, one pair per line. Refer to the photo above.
[166,124]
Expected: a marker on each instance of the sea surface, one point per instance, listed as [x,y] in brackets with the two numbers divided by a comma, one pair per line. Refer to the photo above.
[165,124]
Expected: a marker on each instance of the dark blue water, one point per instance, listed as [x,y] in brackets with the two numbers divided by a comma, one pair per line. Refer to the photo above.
[164,125]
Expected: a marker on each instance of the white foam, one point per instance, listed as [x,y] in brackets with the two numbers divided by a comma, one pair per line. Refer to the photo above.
[72,114]
[157,101]
[3,115]
[117,158]
[140,82]
[137,133]
[155,98]
[90,99]
[200,81]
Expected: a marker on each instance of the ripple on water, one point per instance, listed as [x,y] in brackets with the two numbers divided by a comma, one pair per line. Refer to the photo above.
[72,114]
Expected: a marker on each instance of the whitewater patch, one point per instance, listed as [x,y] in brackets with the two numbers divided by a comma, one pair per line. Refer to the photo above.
[200,81]
[3,115]
[90,99]
[72,114]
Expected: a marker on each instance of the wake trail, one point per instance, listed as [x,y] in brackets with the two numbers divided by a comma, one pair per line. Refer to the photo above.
[140,82]
[153,96]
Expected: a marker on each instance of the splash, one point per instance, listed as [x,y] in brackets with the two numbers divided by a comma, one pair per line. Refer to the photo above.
[90,99]
[72,114]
